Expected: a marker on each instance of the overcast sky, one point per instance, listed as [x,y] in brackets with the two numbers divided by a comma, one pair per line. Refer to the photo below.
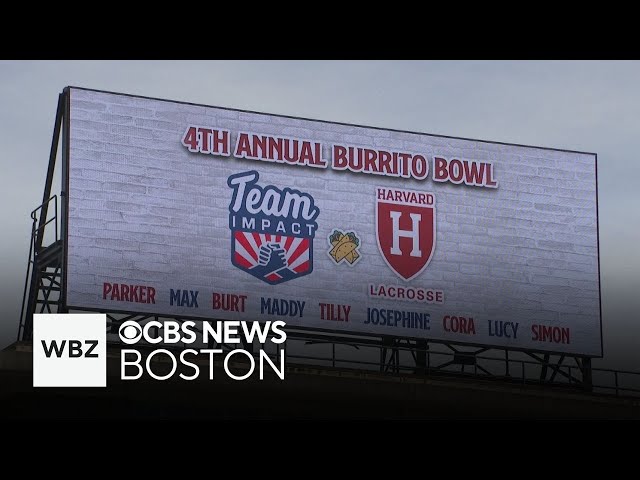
[588,106]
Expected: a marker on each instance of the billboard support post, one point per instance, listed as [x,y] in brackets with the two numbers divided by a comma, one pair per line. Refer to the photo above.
[45,264]
[390,347]
[587,375]
[64,197]
[421,357]
[60,115]
[506,363]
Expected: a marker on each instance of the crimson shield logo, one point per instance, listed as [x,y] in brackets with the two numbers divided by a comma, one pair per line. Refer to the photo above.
[405,229]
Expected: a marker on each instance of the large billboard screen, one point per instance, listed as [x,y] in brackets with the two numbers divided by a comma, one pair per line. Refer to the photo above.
[188,210]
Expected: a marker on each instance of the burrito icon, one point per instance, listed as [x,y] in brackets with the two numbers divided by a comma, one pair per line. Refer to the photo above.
[344,247]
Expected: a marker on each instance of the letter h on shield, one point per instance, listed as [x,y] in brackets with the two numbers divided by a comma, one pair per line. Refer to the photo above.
[413,234]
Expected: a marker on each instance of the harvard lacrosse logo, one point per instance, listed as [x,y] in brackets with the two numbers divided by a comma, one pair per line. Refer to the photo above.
[405,229]
[272,230]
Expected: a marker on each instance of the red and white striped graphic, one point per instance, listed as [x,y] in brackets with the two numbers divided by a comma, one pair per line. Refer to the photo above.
[247,246]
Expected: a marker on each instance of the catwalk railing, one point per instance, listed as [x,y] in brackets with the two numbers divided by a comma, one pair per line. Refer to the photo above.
[514,371]
[44,266]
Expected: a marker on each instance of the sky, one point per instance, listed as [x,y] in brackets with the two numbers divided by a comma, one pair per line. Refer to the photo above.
[586,106]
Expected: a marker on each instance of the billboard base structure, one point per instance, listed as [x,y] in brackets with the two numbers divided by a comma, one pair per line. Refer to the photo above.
[45,293]
[395,356]
[389,355]
[309,393]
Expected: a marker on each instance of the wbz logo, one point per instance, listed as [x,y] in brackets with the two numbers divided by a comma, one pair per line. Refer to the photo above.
[69,350]
[74,350]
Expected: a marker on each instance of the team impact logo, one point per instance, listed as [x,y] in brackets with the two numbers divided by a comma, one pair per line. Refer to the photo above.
[405,229]
[272,230]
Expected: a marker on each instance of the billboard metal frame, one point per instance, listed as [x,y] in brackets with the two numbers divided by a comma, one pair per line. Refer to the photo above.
[40,283]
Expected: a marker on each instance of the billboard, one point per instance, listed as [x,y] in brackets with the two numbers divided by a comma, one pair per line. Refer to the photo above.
[189,210]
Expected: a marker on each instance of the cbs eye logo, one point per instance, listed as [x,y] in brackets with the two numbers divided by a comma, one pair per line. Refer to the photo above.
[130,332]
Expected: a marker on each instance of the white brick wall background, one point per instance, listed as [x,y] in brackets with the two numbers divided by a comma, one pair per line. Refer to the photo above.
[144,210]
